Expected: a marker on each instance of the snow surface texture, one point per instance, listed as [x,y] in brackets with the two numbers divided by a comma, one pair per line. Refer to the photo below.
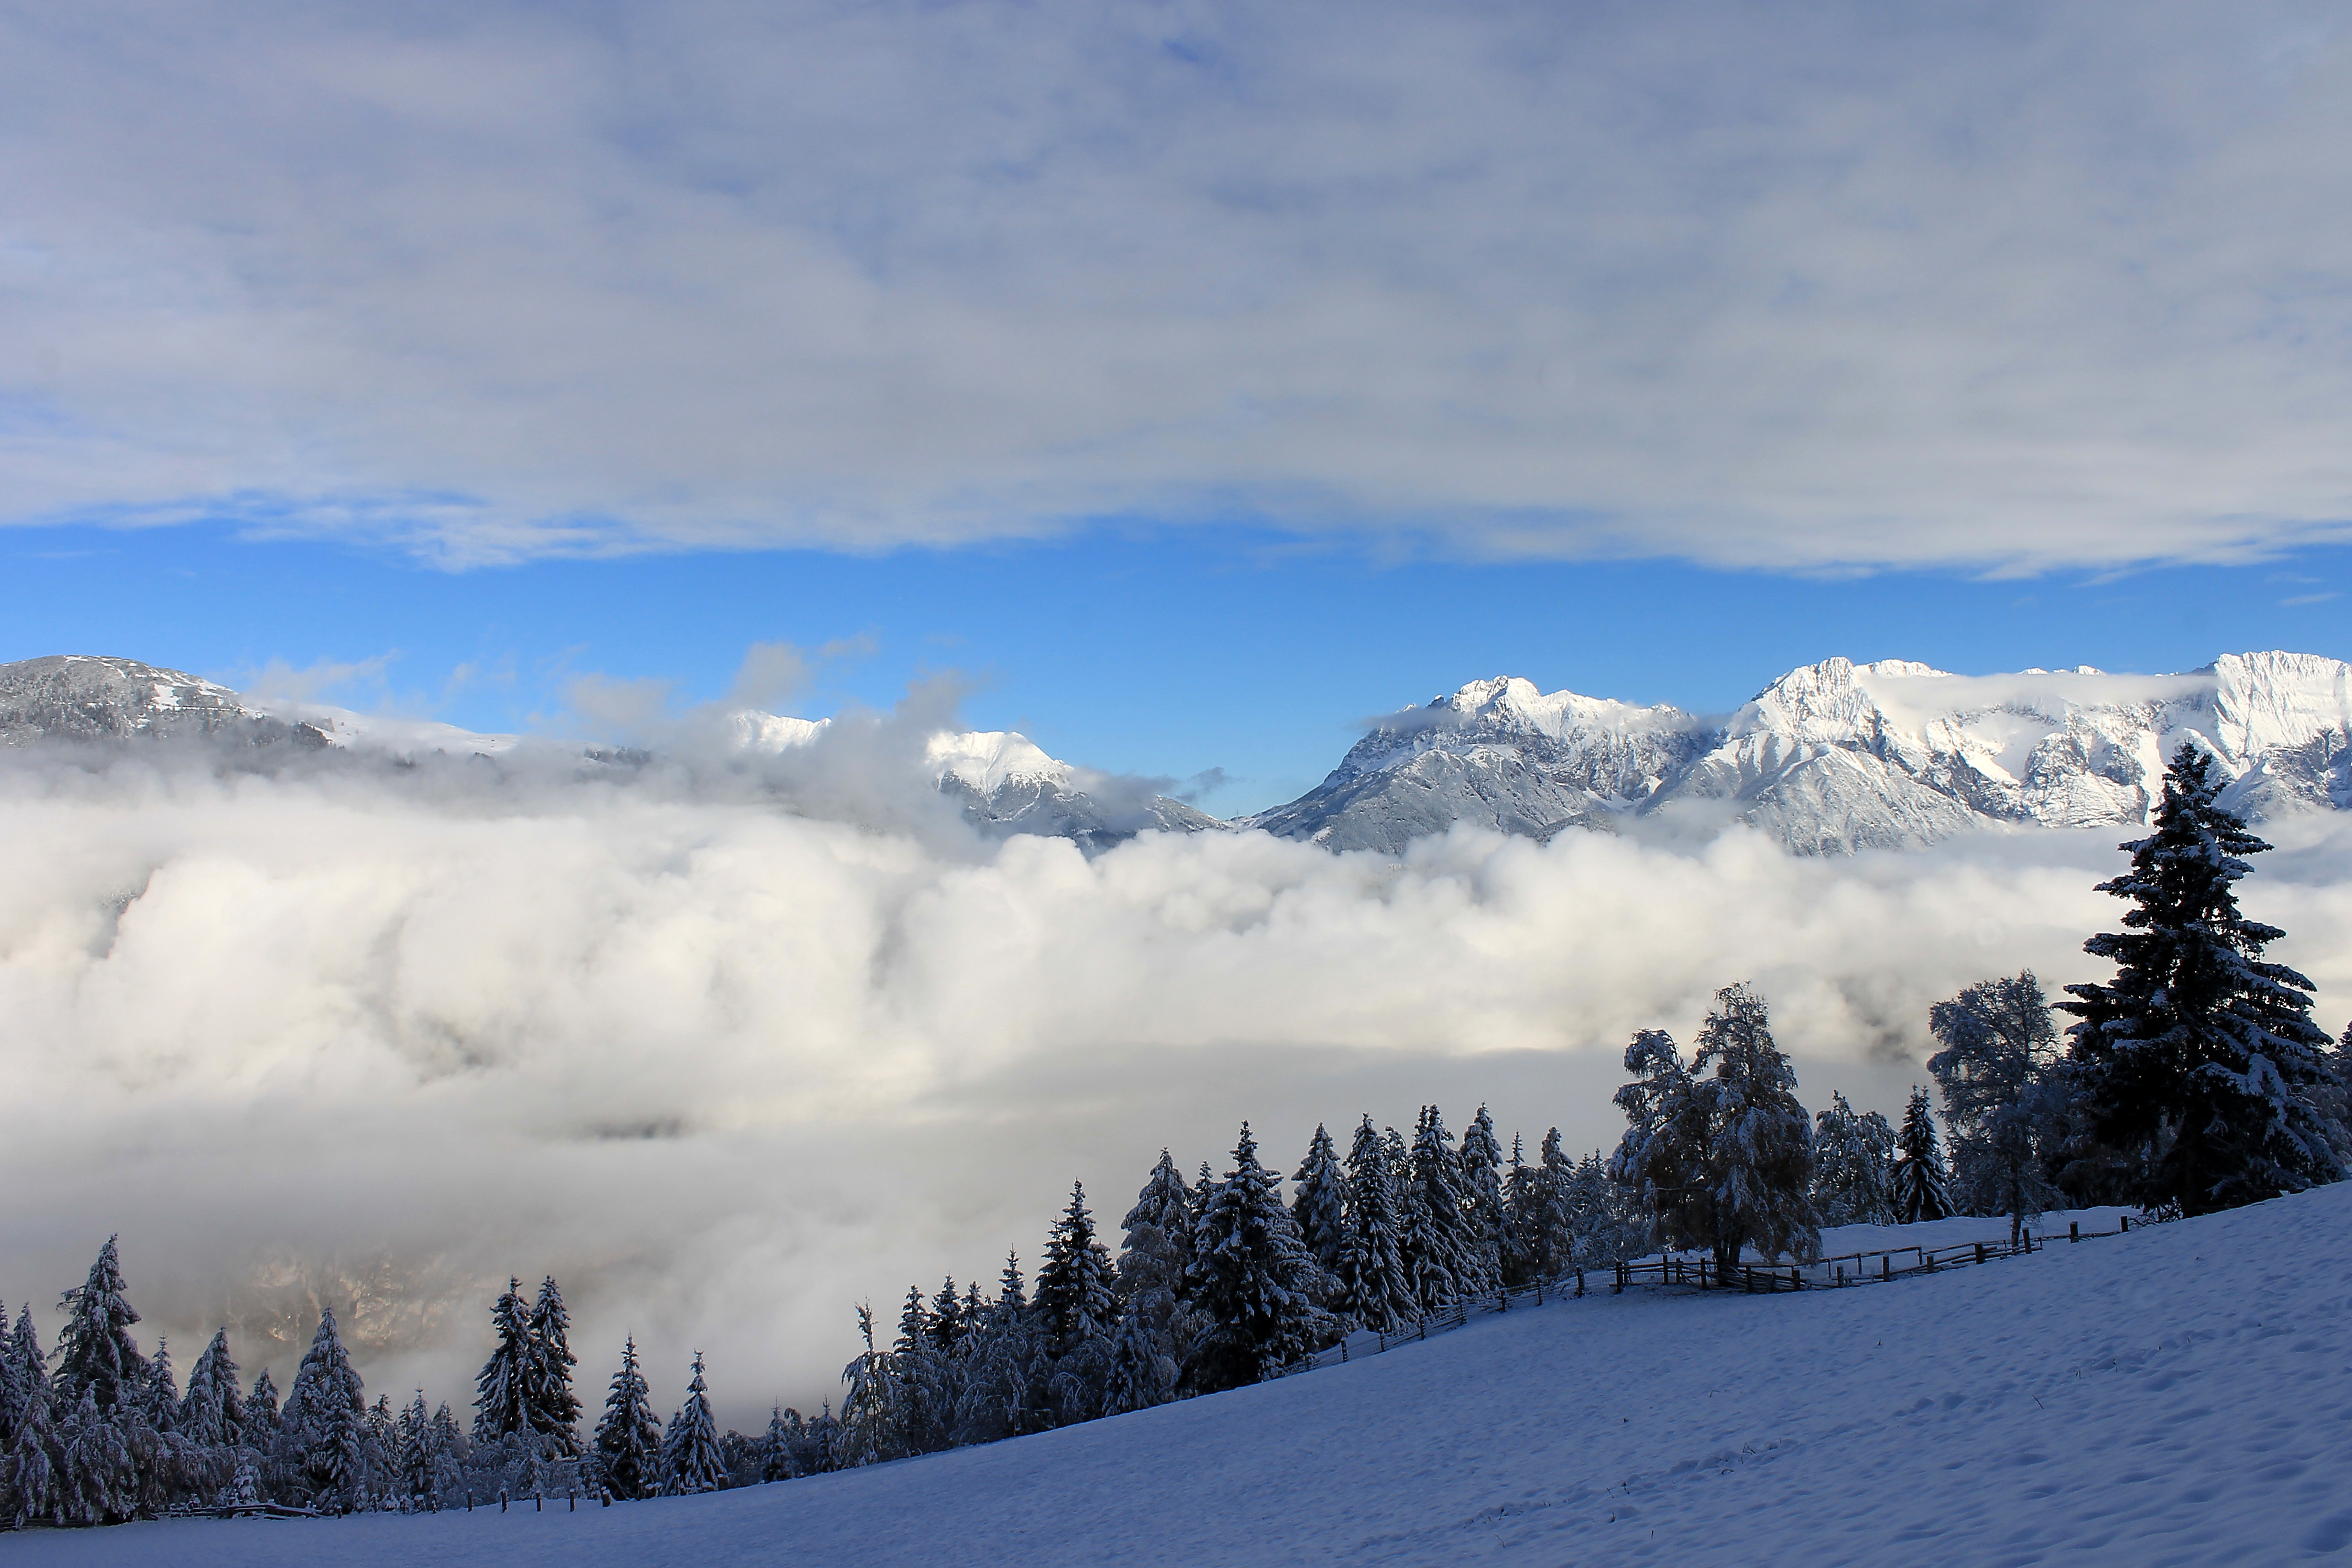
[1837,757]
[2177,1396]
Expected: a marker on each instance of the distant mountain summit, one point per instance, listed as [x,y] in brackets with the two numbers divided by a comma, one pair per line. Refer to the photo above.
[1837,757]
[1829,759]
[1004,784]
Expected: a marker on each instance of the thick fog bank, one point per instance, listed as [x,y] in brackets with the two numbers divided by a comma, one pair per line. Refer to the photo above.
[386,1036]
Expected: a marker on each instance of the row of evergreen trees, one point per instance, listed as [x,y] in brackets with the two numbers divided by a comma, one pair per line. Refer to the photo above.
[2194,1080]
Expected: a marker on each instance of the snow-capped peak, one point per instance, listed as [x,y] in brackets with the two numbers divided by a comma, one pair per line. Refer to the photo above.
[988,760]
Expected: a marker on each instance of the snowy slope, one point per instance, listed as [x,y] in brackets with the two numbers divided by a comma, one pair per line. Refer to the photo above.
[1836,756]
[2182,1395]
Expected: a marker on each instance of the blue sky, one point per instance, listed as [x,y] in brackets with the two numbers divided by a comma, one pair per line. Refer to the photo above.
[1194,378]
[1160,652]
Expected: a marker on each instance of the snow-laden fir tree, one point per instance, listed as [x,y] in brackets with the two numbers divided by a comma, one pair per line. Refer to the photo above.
[159,1390]
[95,1351]
[946,1327]
[1482,1206]
[2003,1102]
[98,1481]
[412,1451]
[1319,1204]
[1155,1330]
[1919,1183]
[1435,1235]
[213,1410]
[2199,1059]
[1854,1165]
[31,1456]
[1720,1160]
[550,1406]
[779,1446]
[1073,1297]
[871,1422]
[1545,1217]
[1373,1286]
[628,1437]
[1251,1280]
[1522,1209]
[325,1420]
[1607,1229]
[1759,1164]
[690,1462]
[502,1390]
[926,1399]
[1661,1158]
[261,1410]
[1006,1377]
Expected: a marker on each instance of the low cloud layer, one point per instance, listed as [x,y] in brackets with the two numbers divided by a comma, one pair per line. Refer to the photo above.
[724,1068]
[1798,287]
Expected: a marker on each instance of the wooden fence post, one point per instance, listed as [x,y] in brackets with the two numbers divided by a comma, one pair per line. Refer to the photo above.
[2124,1220]
[1979,1252]
[1886,1265]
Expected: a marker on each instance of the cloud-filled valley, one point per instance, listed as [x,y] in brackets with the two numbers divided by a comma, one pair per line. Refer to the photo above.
[728,1061]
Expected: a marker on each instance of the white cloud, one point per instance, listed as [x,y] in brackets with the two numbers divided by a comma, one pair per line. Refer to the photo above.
[724,1068]
[1789,288]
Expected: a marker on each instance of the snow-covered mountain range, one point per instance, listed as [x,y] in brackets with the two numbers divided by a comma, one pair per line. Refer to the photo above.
[1830,759]
[1837,756]
[1004,783]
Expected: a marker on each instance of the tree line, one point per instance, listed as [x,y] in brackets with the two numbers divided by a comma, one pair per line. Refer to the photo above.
[2195,1080]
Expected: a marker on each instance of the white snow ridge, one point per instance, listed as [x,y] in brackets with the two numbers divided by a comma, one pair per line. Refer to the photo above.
[2180,1394]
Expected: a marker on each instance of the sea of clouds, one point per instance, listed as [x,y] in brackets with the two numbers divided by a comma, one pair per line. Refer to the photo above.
[731,1043]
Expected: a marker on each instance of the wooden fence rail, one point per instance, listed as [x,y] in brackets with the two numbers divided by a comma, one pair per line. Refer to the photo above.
[1700,1273]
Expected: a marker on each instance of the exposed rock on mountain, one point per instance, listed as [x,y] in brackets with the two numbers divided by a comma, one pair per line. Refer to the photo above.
[1837,757]
[83,697]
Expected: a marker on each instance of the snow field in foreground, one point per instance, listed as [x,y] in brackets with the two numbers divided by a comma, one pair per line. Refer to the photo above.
[2175,1395]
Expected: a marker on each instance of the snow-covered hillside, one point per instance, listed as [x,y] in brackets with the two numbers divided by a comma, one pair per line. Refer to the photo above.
[2181,1395]
[1837,756]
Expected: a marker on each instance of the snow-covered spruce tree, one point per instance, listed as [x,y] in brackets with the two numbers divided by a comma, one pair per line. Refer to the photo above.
[549,1408]
[502,1390]
[325,1417]
[1373,1287]
[2003,1102]
[1155,1330]
[1522,1214]
[1073,1298]
[213,1410]
[628,1437]
[1661,1161]
[1482,1206]
[412,1452]
[946,1327]
[870,1420]
[97,1482]
[1759,1152]
[1551,1210]
[926,1394]
[261,1409]
[779,1447]
[2199,1059]
[1854,1165]
[1435,1237]
[1318,1202]
[1007,1371]
[95,1352]
[1606,1225]
[1919,1184]
[1076,1312]
[31,1456]
[159,1390]
[690,1460]
[1253,1280]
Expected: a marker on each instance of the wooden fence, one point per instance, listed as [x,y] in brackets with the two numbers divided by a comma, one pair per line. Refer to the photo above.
[1697,1273]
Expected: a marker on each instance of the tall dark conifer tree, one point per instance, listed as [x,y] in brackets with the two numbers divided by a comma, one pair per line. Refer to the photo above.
[95,1351]
[628,1437]
[551,1407]
[1253,1280]
[1320,1204]
[502,1392]
[1919,1188]
[2199,1059]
